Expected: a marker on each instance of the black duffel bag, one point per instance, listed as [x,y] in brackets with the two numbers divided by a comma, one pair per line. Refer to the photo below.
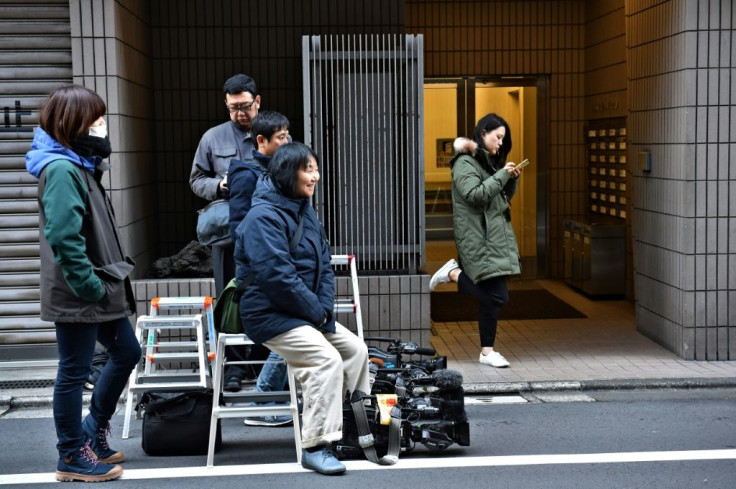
[177,423]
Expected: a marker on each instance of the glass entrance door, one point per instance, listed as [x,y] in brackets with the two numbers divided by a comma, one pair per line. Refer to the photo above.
[441,117]
[451,109]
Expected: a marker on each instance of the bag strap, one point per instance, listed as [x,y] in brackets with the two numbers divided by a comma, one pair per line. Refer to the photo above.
[293,242]
[175,408]
[366,439]
[171,407]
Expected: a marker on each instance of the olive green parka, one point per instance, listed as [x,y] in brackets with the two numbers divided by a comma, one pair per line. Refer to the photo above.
[485,240]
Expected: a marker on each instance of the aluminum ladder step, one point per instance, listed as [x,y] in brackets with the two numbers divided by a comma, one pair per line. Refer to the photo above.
[156,348]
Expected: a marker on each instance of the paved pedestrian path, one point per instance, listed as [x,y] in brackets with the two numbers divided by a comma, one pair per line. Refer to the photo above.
[604,349]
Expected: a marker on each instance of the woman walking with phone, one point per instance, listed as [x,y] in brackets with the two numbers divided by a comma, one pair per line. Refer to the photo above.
[483,184]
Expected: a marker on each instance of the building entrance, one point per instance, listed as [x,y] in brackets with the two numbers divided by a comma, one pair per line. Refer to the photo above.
[451,109]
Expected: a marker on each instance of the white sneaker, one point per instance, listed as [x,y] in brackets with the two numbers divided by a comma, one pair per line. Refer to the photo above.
[442,276]
[494,359]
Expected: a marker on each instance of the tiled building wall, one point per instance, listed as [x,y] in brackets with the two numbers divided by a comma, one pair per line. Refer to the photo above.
[605,60]
[681,84]
[160,67]
[198,44]
[110,54]
[606,95]
[496,38]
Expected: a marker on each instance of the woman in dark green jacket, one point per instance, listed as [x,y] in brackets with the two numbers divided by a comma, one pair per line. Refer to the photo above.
[483,184]
[85,288]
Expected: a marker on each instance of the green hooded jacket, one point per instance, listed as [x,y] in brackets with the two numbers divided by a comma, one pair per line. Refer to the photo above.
[84,270]
[485,240]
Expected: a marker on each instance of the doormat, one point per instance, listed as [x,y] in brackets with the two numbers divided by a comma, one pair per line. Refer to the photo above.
[523,304]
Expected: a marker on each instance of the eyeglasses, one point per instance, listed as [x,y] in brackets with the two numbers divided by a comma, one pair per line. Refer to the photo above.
[240,108]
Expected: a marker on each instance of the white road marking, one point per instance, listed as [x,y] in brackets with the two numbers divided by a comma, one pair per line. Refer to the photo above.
[483,400]
[563,397]
[410,463]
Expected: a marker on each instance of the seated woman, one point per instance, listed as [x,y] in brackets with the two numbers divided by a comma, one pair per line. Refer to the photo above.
[283,260]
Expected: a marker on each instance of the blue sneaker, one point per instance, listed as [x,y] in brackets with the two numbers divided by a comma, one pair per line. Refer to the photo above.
[82,466]
[272,421]
[322,461]
[97,439]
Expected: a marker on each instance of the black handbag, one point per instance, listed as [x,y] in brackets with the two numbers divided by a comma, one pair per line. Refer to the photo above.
[176,423]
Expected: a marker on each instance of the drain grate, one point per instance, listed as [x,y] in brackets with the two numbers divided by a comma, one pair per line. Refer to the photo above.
[26,384]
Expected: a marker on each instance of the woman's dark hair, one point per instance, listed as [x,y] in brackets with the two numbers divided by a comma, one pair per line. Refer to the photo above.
[238,84]
[489,123]
[69,112]
[285,163]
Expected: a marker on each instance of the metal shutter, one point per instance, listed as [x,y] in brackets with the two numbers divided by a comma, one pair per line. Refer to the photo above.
[35,58]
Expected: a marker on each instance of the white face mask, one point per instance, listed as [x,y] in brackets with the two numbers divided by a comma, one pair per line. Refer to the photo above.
[98,131]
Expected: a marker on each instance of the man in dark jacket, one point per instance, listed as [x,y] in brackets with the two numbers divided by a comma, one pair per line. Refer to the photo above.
[269,130]
[209,180]
[220,144]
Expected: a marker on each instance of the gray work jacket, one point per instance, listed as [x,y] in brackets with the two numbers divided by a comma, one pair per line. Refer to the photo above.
[217,147]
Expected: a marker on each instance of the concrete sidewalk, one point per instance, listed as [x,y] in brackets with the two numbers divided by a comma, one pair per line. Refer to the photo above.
[602,351]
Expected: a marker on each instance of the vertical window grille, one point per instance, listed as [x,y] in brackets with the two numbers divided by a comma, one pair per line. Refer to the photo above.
[363,117]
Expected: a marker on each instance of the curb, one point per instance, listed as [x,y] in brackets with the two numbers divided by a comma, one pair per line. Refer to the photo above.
[591,385]
[8,402]
[31,402]
[26,402]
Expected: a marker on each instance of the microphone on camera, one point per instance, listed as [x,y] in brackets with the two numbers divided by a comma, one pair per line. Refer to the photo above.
[448,380]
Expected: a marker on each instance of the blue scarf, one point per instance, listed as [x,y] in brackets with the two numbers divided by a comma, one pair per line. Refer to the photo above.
[46,149]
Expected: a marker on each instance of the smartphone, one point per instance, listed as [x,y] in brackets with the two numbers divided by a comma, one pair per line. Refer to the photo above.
[521,165]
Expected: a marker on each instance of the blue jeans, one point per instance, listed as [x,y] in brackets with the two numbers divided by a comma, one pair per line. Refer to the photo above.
[76,346]
[273,376]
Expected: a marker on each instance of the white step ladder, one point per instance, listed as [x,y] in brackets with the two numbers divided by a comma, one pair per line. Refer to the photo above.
[240,404]
[155,332]
[203,303]
[237,405]
[351,305]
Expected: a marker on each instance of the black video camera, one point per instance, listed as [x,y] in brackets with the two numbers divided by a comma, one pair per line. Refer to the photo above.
[430,396]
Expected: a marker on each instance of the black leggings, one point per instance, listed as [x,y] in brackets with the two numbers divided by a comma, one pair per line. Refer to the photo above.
[492,294]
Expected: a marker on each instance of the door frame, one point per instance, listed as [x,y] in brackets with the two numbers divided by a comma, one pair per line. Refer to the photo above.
[466,123]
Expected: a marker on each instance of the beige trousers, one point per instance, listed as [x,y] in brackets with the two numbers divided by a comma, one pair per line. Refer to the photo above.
[327,365]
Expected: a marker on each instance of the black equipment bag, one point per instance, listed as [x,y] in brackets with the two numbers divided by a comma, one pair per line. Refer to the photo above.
[176,423]
[364,435]
[430,397]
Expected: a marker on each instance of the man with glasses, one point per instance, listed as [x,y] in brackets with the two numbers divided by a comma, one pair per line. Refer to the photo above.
[208,179]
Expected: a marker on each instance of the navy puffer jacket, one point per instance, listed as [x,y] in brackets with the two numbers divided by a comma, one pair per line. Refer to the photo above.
[292,286]
[242,178]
